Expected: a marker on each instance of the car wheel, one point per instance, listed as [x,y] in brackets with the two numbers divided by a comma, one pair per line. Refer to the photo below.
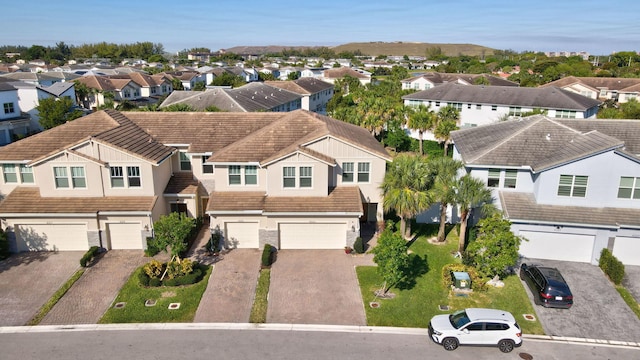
[505,345]
[450,344]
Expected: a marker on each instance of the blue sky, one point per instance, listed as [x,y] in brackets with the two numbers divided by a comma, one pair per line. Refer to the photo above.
[599,27]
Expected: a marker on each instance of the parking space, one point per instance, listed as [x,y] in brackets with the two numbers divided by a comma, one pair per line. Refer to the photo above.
[598,311]
[28,280]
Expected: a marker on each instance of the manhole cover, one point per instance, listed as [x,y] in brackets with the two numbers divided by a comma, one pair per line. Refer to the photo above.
[119,305]
[525,356]
[374,304]
[174,306]
[443,307]
[529,317]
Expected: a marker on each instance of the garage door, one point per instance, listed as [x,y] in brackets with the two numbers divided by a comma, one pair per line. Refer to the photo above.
[556,246]
[627,250]
[242,235]
[52,237]
[313,236]
[124,236]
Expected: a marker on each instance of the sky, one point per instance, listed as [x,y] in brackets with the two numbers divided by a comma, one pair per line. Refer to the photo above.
[598,27]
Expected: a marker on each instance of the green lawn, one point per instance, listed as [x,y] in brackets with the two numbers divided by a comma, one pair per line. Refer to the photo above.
[415,305]
[135,297]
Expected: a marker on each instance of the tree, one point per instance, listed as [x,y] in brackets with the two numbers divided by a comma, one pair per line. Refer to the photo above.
[444,172]
[171,232]
[470,193]
[421,119]
[447,121]
[228,79]
[392,258]
[199,86]
[404,189]
[178,107]
[177,84]
[495,248]
[54,112]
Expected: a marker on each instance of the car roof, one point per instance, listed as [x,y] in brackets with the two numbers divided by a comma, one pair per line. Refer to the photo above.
[553,276]
[476,314]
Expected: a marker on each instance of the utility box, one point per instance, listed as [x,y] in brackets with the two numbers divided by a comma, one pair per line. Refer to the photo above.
[461,280]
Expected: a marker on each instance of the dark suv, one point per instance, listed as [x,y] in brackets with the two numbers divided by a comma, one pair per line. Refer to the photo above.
[547,285]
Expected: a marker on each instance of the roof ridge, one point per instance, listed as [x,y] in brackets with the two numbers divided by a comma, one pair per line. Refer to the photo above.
[512,135]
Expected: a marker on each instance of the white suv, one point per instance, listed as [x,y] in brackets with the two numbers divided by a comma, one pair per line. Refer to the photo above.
[476,327]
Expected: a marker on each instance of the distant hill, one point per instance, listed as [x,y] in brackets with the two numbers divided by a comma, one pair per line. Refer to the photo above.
[377,48]
[412,48]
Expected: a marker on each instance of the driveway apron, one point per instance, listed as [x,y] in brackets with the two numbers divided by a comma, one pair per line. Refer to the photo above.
[28,280]
[598,311]
[316,287]
[90,297]
[631,280]
[231,290]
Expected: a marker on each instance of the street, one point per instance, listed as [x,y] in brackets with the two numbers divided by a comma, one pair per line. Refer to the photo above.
[194,342]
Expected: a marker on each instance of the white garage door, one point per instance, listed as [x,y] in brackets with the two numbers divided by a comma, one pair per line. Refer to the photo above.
[242,235]
[124,236]
[313,236]
[556,246]
[58,237]
[627,250]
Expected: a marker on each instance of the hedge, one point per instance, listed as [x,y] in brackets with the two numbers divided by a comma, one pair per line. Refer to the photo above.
[198,271]
[89,255]
[611,266]
[266,255]
[358,245]
[477,282]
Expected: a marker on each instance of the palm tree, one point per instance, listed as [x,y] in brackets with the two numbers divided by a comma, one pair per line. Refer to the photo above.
[444,173]
[404,189]
[448,118]
[471,193]
[421,119]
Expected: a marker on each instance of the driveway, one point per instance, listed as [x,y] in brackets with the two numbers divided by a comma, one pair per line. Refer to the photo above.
[316,287]
[631,280]
[28,280]
[598,311]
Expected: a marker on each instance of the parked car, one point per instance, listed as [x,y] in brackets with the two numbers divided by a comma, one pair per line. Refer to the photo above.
[547,285]
[476,326]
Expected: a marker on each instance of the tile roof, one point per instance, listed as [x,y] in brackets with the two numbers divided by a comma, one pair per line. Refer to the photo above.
[183,183]
[302,86]
[597,83]
[519,207]
[537,142]
[341,72]
[339,200]
[27,200]
[442,78]
[543,98]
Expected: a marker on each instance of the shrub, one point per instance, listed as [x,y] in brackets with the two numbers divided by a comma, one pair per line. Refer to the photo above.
[358,245]
[266,255]
[477,282]
[152,247]
[4,245]
[188,279]
[88,256]
[153,269]
[611,266]
[143,278]
[155,282]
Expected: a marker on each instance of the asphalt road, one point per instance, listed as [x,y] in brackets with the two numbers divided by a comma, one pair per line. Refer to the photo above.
[200,342]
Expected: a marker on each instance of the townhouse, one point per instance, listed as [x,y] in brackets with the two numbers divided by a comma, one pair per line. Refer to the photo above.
[619,90]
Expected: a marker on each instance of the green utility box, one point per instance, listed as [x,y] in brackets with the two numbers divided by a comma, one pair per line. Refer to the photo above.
[461,280]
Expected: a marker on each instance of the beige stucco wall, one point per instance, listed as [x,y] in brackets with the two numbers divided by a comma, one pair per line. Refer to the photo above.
[319,181]
[221,179]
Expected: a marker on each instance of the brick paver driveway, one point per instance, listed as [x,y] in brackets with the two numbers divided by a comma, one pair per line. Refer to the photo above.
[315,287]
[28,280]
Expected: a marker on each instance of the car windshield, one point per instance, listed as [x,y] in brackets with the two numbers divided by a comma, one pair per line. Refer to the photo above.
[459,319]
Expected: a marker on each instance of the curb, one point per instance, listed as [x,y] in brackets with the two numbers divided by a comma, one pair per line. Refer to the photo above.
[288,327]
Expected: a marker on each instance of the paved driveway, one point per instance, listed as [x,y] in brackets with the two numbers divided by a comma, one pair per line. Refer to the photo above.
[315,287]
[28,280]
[598,311]
[631,280]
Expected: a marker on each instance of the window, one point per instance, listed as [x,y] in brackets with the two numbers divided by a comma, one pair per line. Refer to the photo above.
[493,180]
[251,175]
[185,162]
[305,176]
[510,177]
[26,174]
[60,177]
[153,90]
[180,208]
[347,172]
[164,89]
[515,111]
[78,179]
[437,103]
[206,168]
[496,327]
[235,175]
[478,107]
[289,176]
[127,93]
[457,106]
[572,185]
[475,326]
[494,107]
[8,108]
[117,177]
[133,176]
[9,173]
[363,172]
[629,188]
[565,114]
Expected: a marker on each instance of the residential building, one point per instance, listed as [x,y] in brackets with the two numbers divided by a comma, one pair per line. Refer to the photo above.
[315,93]
[121,90]
[571,187]
[430,80]
[482,105]
[13,122]
[331,75]
[619,90]
[295,180]
[30,95]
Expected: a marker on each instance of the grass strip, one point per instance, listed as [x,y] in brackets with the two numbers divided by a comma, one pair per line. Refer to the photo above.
[260,303]
[629,299]
[44,310]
